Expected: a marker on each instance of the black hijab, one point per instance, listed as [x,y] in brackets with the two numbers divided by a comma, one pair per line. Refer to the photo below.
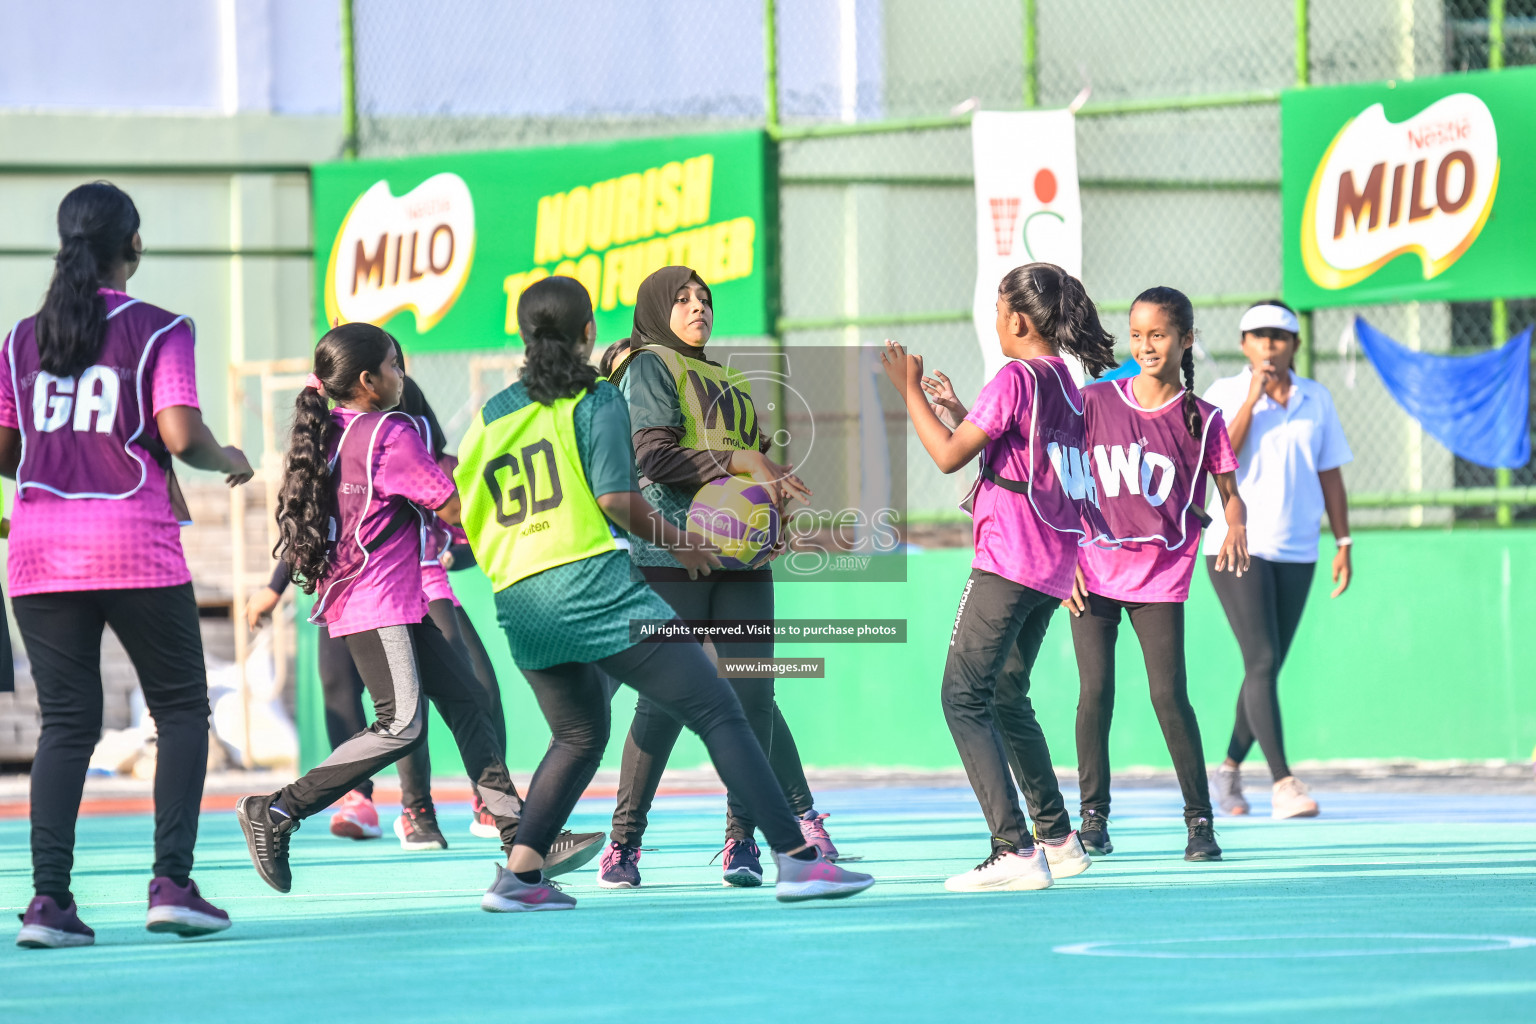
[653,311]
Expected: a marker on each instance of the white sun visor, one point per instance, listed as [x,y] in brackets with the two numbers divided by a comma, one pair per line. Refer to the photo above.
[1260,317]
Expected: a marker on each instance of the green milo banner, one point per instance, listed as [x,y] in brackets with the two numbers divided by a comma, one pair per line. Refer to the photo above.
[439,248]
[1410,191]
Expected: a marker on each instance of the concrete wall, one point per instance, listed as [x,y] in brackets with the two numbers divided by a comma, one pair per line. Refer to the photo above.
[1398,667]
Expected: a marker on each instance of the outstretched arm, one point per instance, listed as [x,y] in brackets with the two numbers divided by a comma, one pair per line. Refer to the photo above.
[949,450]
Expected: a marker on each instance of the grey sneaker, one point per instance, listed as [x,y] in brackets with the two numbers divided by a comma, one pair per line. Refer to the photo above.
[1065,856]
[1228,784]
[818,879]
[1291,800]
[509,895]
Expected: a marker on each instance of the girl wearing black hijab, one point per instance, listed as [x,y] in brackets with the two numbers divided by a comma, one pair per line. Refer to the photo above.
[679,447]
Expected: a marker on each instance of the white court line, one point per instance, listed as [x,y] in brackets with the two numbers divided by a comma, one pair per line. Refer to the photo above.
[1135,948]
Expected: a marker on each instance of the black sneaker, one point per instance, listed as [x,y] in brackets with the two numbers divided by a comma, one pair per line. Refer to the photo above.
[572,850]
[267,839]
[417,829]
[1202,841]
[1094,834]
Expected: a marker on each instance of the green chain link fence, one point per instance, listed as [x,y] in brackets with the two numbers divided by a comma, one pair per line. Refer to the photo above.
[1178,154]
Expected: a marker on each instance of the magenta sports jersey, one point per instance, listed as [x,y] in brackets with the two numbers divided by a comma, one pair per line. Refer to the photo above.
[436,535]
[1027,504]
[1149,474]
[84,436]
[83,542]
[386,483]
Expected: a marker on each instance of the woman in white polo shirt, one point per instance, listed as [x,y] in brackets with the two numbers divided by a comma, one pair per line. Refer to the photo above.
[1289,448]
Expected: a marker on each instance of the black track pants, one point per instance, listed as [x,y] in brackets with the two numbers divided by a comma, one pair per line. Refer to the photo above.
[985,694]
[681,681]
[722,597]
[343,689]
[1160,628]
[402,666]
[158,627]
[1264,608]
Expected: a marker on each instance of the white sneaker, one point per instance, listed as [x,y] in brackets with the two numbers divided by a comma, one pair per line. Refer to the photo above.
[1228,785]
[1066,858]
[1006,869]
[1290,800]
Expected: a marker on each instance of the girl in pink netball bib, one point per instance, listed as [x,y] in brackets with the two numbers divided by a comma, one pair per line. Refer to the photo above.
[1150,444]
[359,487]
[1027,426]
[98,391]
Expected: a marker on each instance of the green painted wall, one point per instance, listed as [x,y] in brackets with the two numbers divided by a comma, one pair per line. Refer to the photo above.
[1427,656]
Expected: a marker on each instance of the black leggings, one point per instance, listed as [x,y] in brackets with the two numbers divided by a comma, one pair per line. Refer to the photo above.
[343,690]
[1160,628]
[997,634]
[682,682]
[1264,607]
[402,666]
[158,627]
[722,597]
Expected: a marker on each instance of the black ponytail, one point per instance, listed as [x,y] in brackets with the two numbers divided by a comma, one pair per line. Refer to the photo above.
[1059,307]
[97,223]
[1182,312]
[613,355]
[306,502]
[552,316]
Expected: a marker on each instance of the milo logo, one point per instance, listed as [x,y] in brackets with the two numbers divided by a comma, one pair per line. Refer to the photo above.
[1425,185]
[395,253]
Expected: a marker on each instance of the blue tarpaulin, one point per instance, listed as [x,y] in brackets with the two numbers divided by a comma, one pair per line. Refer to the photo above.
[1129,368]
[1478,406]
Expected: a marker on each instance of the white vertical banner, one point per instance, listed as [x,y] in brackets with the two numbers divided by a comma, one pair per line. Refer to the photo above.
[1028,208]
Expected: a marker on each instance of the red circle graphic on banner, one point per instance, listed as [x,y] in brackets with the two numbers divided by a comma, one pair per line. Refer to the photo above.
[1045,185]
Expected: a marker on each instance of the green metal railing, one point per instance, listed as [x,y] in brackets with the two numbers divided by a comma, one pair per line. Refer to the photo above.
[1503,496]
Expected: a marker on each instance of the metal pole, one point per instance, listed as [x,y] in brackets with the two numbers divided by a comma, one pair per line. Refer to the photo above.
[1495,35]
[1031,56]
[1303,45]
[348,85]
[771,65]
[1502,478]
[1303,359]
[775,194]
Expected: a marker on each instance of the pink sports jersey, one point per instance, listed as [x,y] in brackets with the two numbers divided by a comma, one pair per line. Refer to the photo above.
[89,543]
[1148,474]
[436,535]
[1033,413]
[379,466]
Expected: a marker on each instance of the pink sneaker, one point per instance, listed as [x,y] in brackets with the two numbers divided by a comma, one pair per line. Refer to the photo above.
[482,824]
[356,818]
[815,833]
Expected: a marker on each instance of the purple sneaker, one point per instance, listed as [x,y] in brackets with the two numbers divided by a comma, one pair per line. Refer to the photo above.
[181,911]
[743,863]
[620,867]
[45,926]
[815,833]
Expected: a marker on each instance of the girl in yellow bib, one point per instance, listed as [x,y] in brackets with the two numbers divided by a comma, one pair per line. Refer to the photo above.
[549,495]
